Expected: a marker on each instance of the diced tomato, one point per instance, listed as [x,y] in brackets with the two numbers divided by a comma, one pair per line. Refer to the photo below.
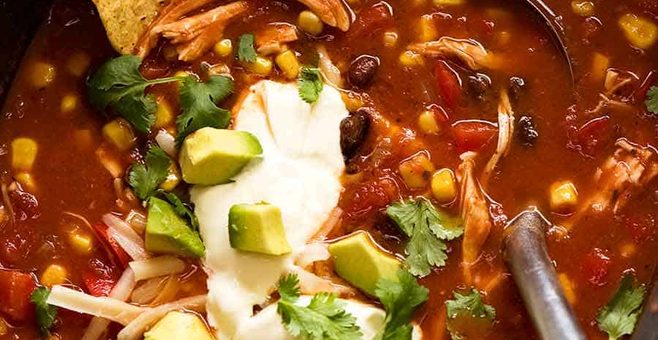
[372,196]
[593,134]
[99,279]
[114,250]
[448,84]
[371,20]
[472,135]
[15,290]
[640,227]
[596,265]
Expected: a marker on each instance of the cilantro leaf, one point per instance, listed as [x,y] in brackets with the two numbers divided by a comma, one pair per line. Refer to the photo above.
[469,305]
[199,108]
[427,229]
[310,84]
[324,317]
[400,299]
[45,313]
[652,100]
[182,209]
[246,51]
[619,316]
[145,178]
[119,84]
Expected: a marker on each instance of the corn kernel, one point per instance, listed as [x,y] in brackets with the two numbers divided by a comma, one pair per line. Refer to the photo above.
[567,287]
[42,74]
[69,103]
[426,29]
[182,74]
[288,64]
[4,327]
[261,66]
[564,197]
[427,122]
[310,23]
[164,115]
[353,101]
[416,171]
[23,153]
[120,134]
[582,8]
[390,39]
[172,180]
[641,32]
[444,185]
[78,63]
[627,250]
[223,48]
[169,53]
[411,59]
[600,65]
[82,243]
[26,180]
[53,275]
[441,3]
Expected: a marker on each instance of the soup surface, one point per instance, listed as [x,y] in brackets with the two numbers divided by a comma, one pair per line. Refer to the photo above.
[424,122]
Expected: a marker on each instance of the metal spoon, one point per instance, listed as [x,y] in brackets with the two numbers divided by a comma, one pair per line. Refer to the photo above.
[534,275]
[647,327]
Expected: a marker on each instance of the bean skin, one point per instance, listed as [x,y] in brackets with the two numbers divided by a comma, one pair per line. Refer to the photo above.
[363,70]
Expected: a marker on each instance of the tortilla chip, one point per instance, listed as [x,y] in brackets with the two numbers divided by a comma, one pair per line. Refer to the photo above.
[126,20]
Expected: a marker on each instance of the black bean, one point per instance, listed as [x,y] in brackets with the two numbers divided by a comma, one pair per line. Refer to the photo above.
[362,70]
[478,85]
[526,131]
[353,132]
[516,87]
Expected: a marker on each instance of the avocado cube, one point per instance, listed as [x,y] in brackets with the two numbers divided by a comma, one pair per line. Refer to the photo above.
[168,233]
[212,156]
[361,262]
[179,325]
[257,228]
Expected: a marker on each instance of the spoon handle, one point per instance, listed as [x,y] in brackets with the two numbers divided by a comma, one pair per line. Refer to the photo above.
[527,258]
[647,327]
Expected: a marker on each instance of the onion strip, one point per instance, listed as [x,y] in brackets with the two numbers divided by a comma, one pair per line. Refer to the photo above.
[156,266]
[121,291]
[105,307]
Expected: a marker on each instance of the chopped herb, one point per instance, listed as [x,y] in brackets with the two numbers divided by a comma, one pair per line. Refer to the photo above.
[182,209]
[119,84]
[145,178]
[469,305]
[246,51]
[619,316]
[400,298]
[324,317]
[199,108]
[427,229]
[310,84]
[45,313]
[652,100]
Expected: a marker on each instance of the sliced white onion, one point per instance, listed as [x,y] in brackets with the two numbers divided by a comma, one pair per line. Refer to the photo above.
[137,221]
[313,252]
[156,266]
[121,226]
[105,307]
[145,293]
[167,142]
[310,284]
[135,329]
[121,291]
[134,249]
[110,164]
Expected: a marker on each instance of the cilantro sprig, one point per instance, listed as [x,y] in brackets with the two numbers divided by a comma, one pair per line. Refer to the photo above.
[310,84]
[400,299]
[45,313]
[145,178]
[620,315]
[651,101]
[470,304]
[246,51]
[199,108]
[323,318]
[428,229]
[183,210]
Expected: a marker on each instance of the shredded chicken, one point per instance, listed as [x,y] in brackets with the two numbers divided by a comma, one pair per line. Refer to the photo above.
[332,12]
[474,209]
[273,38]
[469,51]
[606,104]
[329,71]
[619,83]
[505,133]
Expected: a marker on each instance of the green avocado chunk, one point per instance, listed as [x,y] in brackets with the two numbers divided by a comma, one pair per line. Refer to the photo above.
[360,261]
[179,325]
[168,233]
[212,156]
[257,228]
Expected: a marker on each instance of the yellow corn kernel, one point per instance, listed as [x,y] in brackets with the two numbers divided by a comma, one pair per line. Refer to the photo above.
[4,327]
[310,23]
[564,197]
[164,115]
[427,29]
[223,48]
[441,3]
[53,275]
[353,101]
[26,180]
[582,8]
[416,171]
[120,134]
[23,153]
[600,65]
[444,185]
[288,64]
[427,122]
[261,66]
[169,53]
[69,103]
[390,39]
[627,250]
[78,63]
[172,180]
[82,243]
[411,59]
[182,74]
[42,74]
[641,32]
[567,287]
